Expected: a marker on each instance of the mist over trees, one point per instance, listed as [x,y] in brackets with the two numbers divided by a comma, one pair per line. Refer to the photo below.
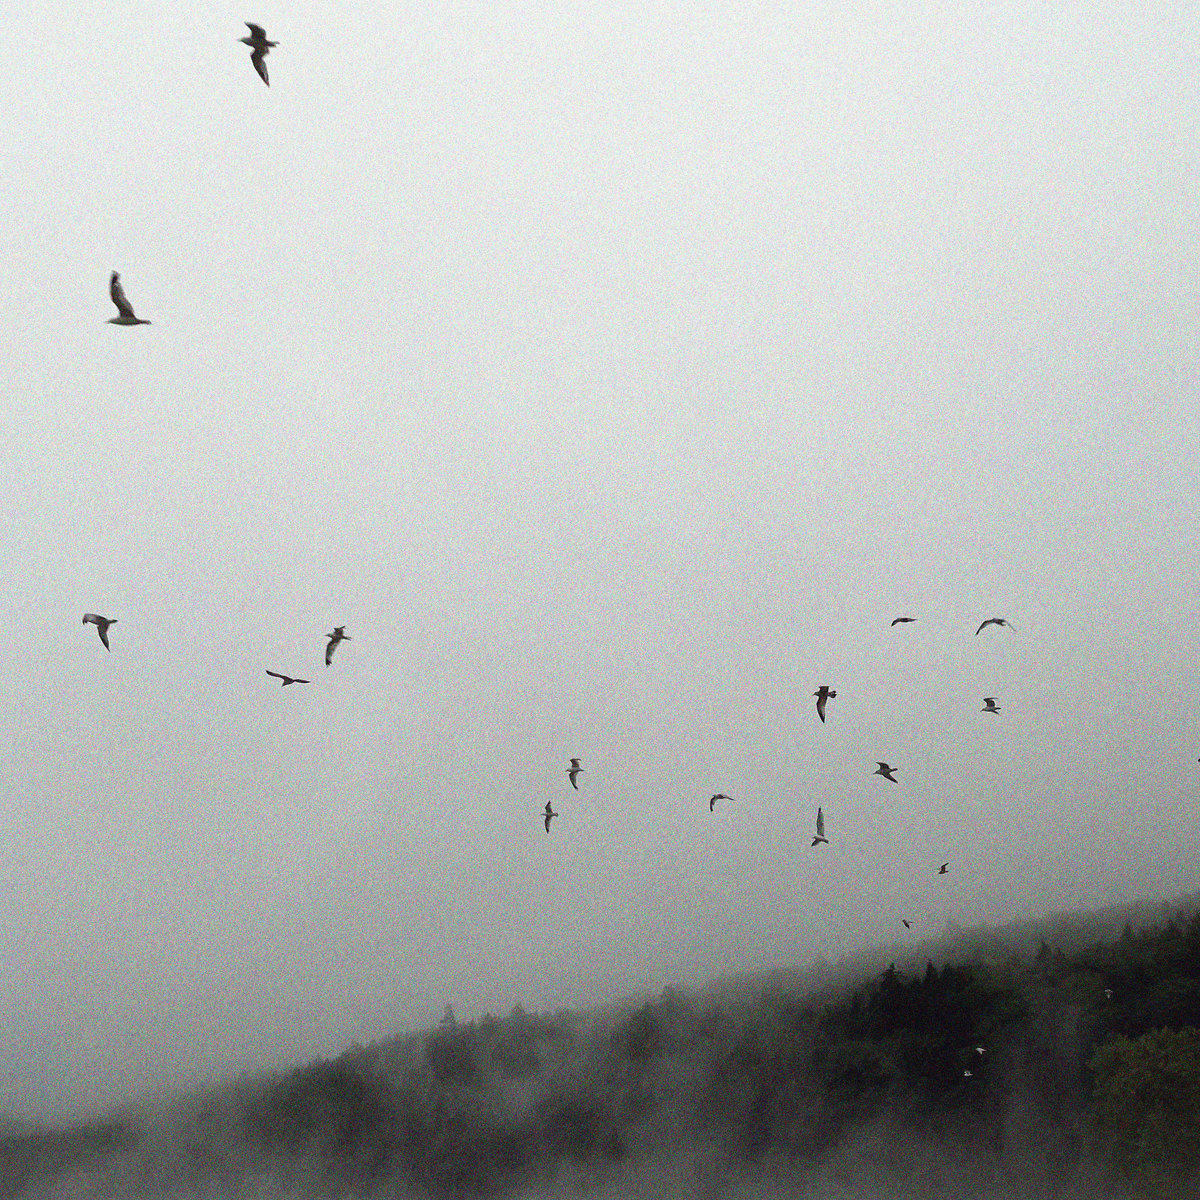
[1007,1064]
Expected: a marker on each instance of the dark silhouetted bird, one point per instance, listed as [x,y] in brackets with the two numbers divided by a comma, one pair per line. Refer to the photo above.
[993,621]
[943,868]
[823,694]
[259,49]
[906,924]
[125,313]
[573,773]
[101,624]
[886,771]
[286,678]
[820,838]
[712,802]
[550,813]
[904,620]
[990,705]
[335,639]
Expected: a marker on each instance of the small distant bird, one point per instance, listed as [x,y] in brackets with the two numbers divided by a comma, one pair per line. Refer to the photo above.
[942,868]
[259,49]
[906,924]
[125,310]
[968,1074]
[904,621]
[1108,993]
[981,1050]
[823,694]
[286,678]
[573,773]
[990,705]
[994,621]
[820,838]
[549,814]
[338,636]
[101,624]
[712,803]
[886,771]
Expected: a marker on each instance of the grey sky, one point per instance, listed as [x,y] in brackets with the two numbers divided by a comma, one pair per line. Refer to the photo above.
[614,374]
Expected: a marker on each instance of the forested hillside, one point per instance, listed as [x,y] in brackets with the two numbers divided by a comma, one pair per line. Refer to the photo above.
[1056,1072]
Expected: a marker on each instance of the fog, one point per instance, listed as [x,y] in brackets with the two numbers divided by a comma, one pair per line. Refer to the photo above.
[614,375]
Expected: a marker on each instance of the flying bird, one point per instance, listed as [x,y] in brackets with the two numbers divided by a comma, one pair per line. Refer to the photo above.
[712,803]
[573,773]
[994,621]
[990,705]
[338,636]
[549,813]
[942,868]
[126,315]
[904,621]
[981,1051]
[906,924]
[286,678]
[101,624]
[886,771]
[259,49]
[823,694]
[820,838]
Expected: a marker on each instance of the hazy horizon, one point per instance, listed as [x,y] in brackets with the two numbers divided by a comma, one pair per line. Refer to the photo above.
[614,376]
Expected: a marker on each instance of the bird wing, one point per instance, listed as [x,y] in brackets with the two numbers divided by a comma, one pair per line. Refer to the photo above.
[257,32]
[117,292]
[548,815]
[276,675]
[820,823]
[256,57]
[102,630]
[329,651]
[821,708]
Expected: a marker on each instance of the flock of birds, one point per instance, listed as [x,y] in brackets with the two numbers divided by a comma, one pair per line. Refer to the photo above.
[260,46]
[823,695]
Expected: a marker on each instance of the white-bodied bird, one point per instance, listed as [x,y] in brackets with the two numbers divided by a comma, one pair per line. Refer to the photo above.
[573,773]
[990,705]
[820,838]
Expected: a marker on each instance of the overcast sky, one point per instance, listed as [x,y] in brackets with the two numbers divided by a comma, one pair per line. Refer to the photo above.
[614,373]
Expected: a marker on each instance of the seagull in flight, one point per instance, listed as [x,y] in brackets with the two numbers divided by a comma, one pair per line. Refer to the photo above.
[259,49]
[904,621]
[942,868]
[549,813]
[823,694]
[906,924]
[573,773]
[286,678]
[712,803]
[335,638]
[101,624]
[994,621]
[820,838]
[990,705]
[126,315]
[886,771]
